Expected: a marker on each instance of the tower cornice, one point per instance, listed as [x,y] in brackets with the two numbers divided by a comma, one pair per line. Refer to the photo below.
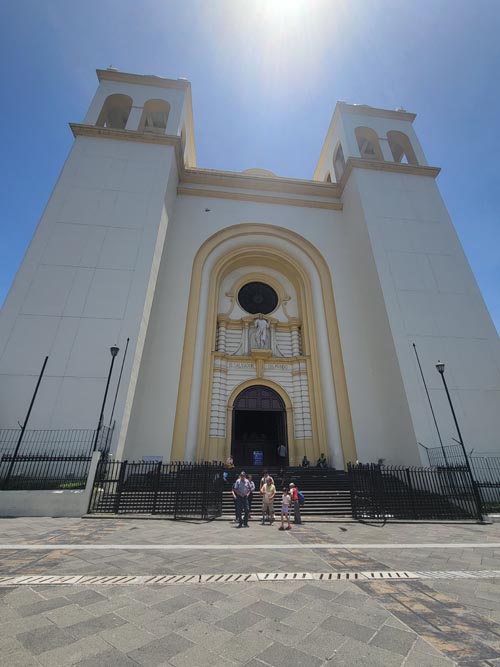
[367,110]
[142,79]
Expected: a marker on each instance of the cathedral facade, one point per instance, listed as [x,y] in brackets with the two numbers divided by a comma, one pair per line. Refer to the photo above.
[261,311]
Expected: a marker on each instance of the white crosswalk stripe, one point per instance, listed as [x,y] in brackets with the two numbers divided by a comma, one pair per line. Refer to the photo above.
[172,579]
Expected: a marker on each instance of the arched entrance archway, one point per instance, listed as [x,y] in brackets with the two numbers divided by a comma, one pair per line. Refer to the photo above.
[259,427]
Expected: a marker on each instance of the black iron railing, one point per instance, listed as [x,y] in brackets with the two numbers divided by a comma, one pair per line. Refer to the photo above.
[400,492]
[177,490]
[485,470]
[49,458]
[54,442]
[43,472]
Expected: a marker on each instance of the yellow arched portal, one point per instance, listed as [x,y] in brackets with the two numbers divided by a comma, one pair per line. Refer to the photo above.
[292,448]
[243,253]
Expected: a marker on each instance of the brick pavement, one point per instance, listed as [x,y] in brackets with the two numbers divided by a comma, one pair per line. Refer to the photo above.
[435,623]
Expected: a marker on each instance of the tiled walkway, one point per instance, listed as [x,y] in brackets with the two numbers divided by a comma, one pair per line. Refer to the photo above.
[417,623]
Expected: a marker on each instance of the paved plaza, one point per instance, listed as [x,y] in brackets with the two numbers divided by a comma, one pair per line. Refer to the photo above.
[115,597]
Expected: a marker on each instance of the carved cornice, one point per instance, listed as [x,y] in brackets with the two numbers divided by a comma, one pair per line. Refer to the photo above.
[393,167]
[261,199]
[79,129]
[228,179]
[327,193]
[223,356]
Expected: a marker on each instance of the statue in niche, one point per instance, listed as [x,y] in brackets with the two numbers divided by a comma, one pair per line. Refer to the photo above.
[261,331]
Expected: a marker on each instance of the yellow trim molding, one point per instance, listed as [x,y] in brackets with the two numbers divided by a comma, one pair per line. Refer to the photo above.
[261,199]
[243,256]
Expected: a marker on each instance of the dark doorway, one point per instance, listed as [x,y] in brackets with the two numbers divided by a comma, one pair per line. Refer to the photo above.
[259,427]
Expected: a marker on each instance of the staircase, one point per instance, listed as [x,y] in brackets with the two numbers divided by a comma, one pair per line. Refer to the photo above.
[327,492]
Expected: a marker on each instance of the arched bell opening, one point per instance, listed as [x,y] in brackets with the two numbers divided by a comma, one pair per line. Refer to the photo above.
[259,428]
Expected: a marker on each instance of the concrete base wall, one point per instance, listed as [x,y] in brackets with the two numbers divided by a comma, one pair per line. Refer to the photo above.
[54,502]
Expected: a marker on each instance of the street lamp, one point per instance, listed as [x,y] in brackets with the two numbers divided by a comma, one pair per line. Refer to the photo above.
[440,370]
[114,349]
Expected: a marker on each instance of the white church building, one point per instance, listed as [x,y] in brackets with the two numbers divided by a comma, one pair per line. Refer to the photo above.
[260,310]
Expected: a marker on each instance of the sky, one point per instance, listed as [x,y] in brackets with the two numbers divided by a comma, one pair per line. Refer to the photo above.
[265,75]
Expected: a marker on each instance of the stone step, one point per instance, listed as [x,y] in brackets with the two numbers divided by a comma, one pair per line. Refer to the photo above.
[324,502]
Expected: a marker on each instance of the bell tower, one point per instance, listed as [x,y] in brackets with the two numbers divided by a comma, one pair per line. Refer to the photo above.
[89,276]
[410,283]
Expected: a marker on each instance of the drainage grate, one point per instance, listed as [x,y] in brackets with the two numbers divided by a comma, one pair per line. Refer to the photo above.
[168,579]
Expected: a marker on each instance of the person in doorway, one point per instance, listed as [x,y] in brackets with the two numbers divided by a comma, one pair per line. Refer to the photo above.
[286,499]
[322,462]
[250,495]
[282,454]
[268,491]
[305,462]
[242,490]
[294,493]
[229,463]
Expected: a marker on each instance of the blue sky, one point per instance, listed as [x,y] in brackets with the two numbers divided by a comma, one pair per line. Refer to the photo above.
[266,75]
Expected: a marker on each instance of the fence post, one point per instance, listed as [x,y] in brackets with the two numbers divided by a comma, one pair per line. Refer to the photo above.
[378,490]
[119,485]
[89,486]
[411,494]
[157,481]
[350,475]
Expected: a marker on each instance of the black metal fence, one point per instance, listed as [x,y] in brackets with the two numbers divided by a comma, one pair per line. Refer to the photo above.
[43,472]
[385,492]
[49,459]
[485,469]
[54,442]
[177,490]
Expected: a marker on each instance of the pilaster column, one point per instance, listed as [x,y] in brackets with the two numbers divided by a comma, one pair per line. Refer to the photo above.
[274,341]
[134,118]
[295,341]
[221,337]
[246,339]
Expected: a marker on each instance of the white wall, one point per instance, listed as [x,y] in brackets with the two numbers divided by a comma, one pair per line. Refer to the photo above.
[433,300]
[379,408]
[83,283]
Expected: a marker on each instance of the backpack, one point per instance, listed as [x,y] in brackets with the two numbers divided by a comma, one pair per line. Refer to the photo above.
[301,498]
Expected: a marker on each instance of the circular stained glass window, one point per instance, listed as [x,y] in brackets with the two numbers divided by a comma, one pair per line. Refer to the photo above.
[257,298]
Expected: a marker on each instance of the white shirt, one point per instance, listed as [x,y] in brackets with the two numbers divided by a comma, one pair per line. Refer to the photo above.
[242,487]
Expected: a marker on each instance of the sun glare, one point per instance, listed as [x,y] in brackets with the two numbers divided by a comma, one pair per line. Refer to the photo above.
[277,42]
[285,10]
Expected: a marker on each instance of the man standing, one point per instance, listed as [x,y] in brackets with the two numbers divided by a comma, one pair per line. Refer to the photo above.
[268,491]
[296,503]
[282,454]
[241,490]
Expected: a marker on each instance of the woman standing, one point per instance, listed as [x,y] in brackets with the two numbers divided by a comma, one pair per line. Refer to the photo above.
[286,499]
